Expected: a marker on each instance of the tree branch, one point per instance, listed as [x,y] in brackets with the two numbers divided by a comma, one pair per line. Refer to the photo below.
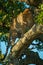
[24,42]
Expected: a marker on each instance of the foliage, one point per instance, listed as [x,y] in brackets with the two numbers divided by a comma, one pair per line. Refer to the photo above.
[11,9]
[8,10]
[39,17]
[1,56]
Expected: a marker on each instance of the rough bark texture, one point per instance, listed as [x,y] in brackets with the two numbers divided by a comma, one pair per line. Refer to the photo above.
[26,40]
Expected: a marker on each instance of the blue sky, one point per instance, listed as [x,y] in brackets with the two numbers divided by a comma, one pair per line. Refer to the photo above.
[3,47]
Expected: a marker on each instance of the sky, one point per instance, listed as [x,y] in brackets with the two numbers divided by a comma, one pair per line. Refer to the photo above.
[3,47]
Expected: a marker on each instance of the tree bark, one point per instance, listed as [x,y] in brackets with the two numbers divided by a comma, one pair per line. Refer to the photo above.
[26,40]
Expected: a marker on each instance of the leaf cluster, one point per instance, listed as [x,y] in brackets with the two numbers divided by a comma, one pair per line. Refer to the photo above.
[39,17]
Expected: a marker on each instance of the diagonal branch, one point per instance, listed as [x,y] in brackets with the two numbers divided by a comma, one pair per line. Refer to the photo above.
[24,42]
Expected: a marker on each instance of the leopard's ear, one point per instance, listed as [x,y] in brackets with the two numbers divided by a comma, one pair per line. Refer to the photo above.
[26,11]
